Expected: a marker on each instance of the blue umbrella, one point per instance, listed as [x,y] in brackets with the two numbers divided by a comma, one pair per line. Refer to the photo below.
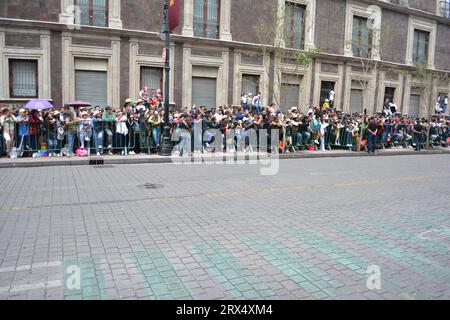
[38,104]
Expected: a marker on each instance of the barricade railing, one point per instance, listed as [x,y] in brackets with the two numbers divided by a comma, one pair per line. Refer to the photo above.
[113,137]
[82,138]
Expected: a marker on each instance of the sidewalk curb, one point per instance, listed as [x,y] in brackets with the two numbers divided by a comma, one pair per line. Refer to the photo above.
[33,163]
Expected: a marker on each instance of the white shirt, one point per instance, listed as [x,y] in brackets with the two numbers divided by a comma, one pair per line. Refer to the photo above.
[121,125]
[323,126]
[332,94]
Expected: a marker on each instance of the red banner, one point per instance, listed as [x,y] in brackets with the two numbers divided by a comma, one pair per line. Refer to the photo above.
[174,14]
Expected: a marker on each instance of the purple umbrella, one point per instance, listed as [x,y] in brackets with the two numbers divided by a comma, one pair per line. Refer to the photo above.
[79,104]
[37,104]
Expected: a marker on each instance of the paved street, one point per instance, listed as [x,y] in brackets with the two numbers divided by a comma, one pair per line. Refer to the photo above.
[168,231]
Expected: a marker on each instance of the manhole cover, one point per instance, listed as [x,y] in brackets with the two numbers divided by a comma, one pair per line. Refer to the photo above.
[151,186]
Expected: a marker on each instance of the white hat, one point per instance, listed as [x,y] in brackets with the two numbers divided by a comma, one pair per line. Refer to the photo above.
[22,110]
[84,113]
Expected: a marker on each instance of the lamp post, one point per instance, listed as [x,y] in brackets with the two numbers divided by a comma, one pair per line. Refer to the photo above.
[166,149]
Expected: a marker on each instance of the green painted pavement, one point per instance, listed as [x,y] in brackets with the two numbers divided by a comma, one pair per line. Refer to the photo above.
[306,275]
[161,277]
[402,233]
[401,253]
[91,279]
[415,219]
[239,281]
[351,259]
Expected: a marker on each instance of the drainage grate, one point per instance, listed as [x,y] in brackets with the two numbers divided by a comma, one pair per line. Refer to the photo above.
[96,162]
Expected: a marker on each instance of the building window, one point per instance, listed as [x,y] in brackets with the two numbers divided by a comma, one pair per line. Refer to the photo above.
[91,86]
[444,8]
[356,101]
[23,78]
[250,84]
[294,26]
[152,78]
[414,105]
[206,18]
[420,47]
[93,12]
[204,92]
[325,89]
[389,93]
[361,38]
[289,96]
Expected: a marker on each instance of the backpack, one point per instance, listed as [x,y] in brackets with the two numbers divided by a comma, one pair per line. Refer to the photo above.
[82,153]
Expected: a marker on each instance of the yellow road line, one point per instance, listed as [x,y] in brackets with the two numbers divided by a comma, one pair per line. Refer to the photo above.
[247,192]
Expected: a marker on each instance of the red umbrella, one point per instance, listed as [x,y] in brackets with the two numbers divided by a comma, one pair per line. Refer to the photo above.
[79,104]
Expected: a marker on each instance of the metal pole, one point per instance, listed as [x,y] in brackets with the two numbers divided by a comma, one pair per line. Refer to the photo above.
[166,149]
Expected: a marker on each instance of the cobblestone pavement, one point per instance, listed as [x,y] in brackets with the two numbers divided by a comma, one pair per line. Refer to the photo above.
[167,231]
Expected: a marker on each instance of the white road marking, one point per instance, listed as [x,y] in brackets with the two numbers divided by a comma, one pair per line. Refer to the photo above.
[29,287]
[39,265]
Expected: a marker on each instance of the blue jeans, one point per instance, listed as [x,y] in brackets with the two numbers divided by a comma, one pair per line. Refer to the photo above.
[52,145]
[156,135]
[418,140]
[98,140]
[23,142]
[185,143]
[371,143]
[70,141]
[34,142]
[83,136]
[302,137]
[396,138]
[384,136]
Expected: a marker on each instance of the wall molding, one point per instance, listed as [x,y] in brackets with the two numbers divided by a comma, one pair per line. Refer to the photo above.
[138,60]
[112,55]
[41,54]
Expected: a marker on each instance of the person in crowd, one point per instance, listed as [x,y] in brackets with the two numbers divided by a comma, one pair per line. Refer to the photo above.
[97,126]
[51,124]
[134,134]
[257,104]
[23,121]
[387,108]
[323,127]
[8,125]
[85,129]
[35,130]
[72,131]
[109,118]
[155,126]
[121,132]
[185,139]
[418,129]
[372,131]
[144,95]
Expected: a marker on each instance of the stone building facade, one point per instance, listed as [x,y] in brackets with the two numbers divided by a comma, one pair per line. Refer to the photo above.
[106,50]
